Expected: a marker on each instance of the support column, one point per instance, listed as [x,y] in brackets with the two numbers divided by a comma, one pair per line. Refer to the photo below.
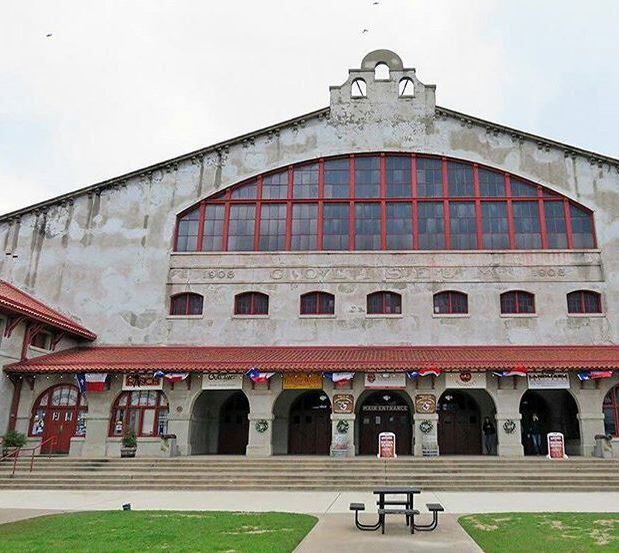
[509,434]
[590,424]
[343,438]
[260,443]
[97,425]
[427,440]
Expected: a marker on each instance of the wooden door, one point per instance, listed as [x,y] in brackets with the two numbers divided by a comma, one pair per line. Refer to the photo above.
[60,422]
[309,426]
[459,425]
[234,425]
[385,415]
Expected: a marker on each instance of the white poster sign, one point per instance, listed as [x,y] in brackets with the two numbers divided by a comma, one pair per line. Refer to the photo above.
[385,380]
[465,379]
[548,381]
[222,381]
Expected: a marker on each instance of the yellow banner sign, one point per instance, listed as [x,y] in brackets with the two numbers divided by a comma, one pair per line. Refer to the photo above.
[301,381]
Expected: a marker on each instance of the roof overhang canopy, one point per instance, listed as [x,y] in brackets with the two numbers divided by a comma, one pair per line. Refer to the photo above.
[291,359]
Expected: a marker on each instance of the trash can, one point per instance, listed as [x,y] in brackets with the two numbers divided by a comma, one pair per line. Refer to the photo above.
[168,445]
[603,446]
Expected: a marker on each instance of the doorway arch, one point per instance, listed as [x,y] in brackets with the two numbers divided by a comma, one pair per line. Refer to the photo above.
[385,411]
[309,424]
[557,412]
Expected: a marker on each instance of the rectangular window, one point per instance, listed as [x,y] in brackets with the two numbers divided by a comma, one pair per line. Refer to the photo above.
[463,225]
[335,227]
[275,186]
[367,226]
[241,229]
[336,178]
[305,181]
[367,177]
[431,226]
[459,179]
[399,226]
[398,177]
[495,230]
[213,228]
[526,225]
[304,227]
[187,233]
[556,229]
[582,228]
[244,192]
[521,188]
[491,184]
[148,422]
[429,177]
[273,227]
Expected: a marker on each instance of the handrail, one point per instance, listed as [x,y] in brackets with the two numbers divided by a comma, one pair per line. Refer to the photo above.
[17,452]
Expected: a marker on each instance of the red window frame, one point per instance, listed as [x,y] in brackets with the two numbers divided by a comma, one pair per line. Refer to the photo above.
[161,407]
[518,297]
[580,299]
[454,302]
[611,405]
[254,303]
[320,308]
[385,306]
[250,193]
[79,409]
[183,301]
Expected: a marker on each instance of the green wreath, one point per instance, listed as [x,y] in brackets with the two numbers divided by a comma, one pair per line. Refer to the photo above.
[343,426]
[509,426]
[426,426]
[262,426]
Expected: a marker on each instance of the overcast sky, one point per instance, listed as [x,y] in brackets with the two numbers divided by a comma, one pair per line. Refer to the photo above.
[122,84]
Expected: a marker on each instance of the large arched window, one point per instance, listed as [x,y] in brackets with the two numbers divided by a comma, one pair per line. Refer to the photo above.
[611,412]
[60,406]
[385,202]
[317,303]
[517,302]
[186,304]
[144,412]
[451,303]
[384,303]
[584,302]
[251,303]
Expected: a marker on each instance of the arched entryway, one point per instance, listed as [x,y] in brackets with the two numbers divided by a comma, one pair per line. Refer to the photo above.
[220,423]
[556,411]
[59,413]
[460,419]
[384,411]
[309,425]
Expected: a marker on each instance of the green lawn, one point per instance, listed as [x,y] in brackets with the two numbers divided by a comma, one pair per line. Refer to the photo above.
[169,531]
[553,532]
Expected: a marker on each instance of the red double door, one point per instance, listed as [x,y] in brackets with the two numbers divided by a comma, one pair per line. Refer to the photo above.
[59,423]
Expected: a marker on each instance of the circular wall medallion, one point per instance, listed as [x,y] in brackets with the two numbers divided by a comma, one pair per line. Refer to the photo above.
[426,426]
[509,426]
[262,426]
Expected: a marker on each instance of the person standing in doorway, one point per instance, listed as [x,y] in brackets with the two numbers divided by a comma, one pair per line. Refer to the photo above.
[535,433]
[489,435]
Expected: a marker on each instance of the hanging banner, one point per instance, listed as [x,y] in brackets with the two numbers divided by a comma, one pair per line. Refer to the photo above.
[222,381]
[134,382]
[556,445]
[302,381]
[548,381]
[385,380]
[465,379]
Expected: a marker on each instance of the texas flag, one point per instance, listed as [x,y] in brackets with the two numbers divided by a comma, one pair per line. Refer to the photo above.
[513,372]
[257,376]
[424,372]
[339,379]
[171,377]
[95,382]
[594,375]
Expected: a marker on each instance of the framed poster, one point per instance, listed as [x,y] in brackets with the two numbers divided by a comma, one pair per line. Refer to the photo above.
[556,445]
[385,380]
[302,381]
[222,381]
[134,382]
[548,380]
[386,445]
[465,379]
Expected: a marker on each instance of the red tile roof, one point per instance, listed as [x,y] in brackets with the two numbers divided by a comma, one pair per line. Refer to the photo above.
[16,302]
[320,358]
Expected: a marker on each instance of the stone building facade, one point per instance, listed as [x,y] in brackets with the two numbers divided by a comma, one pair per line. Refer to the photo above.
[382,221]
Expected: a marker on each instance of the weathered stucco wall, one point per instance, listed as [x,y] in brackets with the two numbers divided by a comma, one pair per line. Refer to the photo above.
[105,258]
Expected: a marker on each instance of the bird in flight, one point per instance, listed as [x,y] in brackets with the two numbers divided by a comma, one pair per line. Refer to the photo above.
[48,35]
[365,31]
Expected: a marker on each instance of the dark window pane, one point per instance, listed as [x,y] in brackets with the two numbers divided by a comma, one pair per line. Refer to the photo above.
[213,228]
[336,178]
[241,229]
[463,225]
[494,225]
[194,305]
[429,177]
[459,179]
[367,177]
[251,303]
[275,186]
[556,229]
[304,226]
[398,177]
[526,225]
[273,227]
[384,303]
[335,227]
[491,183]
[517,302]
[449,303]
[317,303]
[584,301]
[367,226]
[582,227]
[244,192]
[306,181]
[430,225]
[187,234]
[186,304]
[521,188]
[309,304]
[399,226]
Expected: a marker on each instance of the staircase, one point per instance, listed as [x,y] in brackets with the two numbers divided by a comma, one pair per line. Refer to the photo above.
[312,473]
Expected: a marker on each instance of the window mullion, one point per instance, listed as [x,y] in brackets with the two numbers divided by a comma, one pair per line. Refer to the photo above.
[510,214]
[477,194]
[321,204]
[568,224]
[351,203]
[383,203]
[446,218]
[414,223]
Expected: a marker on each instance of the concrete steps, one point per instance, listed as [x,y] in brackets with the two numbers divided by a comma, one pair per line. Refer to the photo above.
[312,473]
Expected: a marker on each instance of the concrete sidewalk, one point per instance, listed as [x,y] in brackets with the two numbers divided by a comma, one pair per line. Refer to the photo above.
[303,502]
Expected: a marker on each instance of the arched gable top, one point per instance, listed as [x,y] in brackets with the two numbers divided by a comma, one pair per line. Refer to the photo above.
[386,201]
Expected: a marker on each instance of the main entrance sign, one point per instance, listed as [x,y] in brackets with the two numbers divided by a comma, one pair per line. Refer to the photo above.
[385,380]
[548,381]
[222,381]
